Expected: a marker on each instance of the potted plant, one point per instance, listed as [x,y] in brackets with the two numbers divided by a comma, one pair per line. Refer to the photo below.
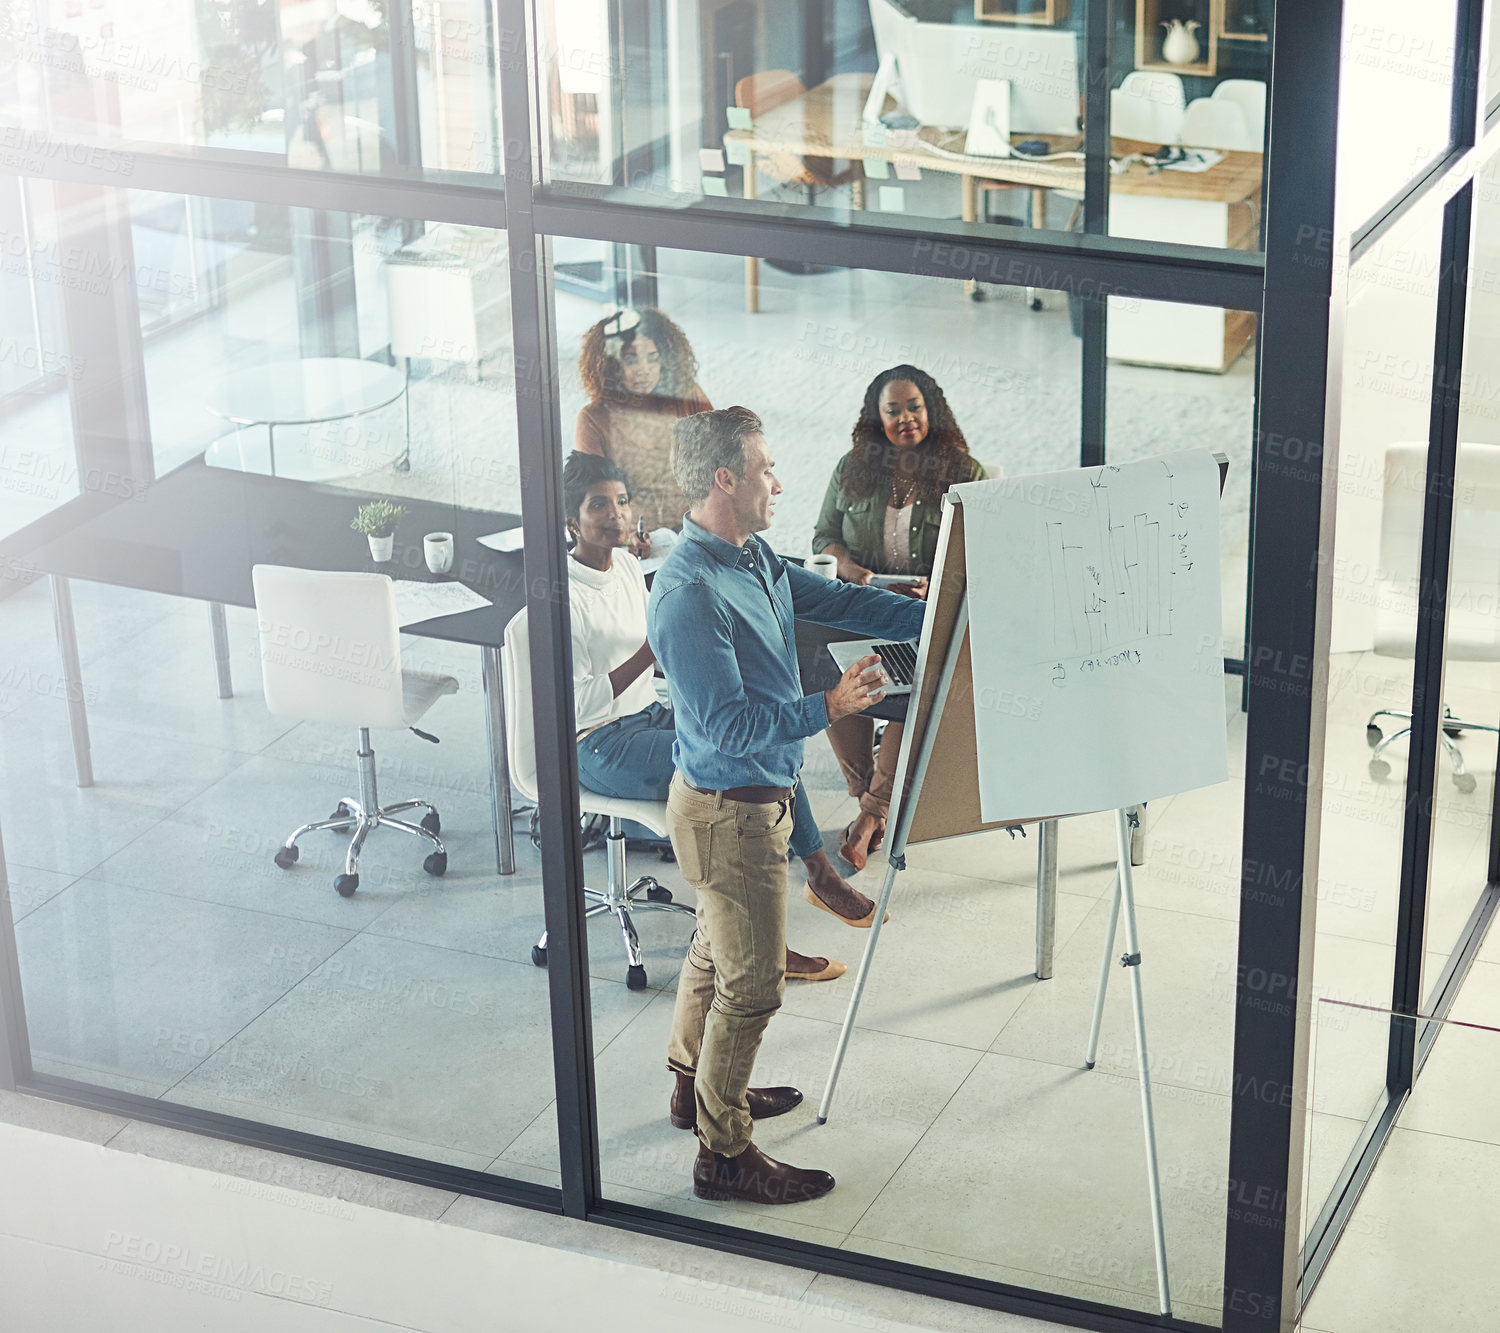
[377,520]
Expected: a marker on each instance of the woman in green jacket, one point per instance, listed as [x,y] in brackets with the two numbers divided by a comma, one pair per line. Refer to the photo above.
[881,515]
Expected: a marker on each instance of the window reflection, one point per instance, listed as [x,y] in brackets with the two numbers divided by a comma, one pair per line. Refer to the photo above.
[337,85]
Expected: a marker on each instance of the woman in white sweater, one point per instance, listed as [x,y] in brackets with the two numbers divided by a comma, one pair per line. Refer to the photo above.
[625,734]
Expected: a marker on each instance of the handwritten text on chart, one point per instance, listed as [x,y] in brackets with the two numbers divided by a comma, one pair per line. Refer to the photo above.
[1126,657]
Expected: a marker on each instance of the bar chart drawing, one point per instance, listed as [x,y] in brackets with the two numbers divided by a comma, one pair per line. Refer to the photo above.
[1112,569]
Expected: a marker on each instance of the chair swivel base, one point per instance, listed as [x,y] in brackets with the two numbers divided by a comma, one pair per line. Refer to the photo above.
[1452,728]
[657,898]
[351,816]
[643,894]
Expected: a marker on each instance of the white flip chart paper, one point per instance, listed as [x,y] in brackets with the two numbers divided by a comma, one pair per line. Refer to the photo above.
[1095,635]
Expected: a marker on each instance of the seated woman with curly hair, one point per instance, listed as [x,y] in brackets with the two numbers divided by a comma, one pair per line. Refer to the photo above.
[881,515]
[640,375]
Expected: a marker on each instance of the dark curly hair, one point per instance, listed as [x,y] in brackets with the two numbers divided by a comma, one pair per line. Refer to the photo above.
[934,465]
[601,374]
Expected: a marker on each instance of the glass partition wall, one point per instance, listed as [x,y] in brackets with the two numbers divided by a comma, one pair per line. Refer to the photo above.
[238,320]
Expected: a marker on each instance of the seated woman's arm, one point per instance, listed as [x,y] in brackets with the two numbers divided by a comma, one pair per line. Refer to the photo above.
[594,689]
[624,675]
[828,531]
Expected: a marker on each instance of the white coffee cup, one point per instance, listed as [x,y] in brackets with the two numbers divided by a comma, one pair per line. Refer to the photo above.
[437,548]
[825,566]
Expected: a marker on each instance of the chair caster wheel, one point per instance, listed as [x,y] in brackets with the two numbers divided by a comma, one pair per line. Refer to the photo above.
[403,464]
[635,978]
[346,884]
[538,955]
[341,811]
[1464,782]
[436,864]
[1036,302]
[977,294]
[1379,769]
[1372,735]
[657,894]
[431,822]
[1453,733]
[286,857]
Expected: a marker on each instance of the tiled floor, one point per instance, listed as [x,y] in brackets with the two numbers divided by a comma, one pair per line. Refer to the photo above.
[163,953]
[1414,1255]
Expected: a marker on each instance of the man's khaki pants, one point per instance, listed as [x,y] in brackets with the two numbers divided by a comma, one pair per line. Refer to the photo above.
[733,853]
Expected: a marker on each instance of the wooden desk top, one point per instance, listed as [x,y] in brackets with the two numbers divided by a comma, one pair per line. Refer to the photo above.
[826,122]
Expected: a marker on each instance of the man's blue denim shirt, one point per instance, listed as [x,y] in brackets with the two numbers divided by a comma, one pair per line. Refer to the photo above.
[722,624]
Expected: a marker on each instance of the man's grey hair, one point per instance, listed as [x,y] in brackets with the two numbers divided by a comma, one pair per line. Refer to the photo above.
[707,441]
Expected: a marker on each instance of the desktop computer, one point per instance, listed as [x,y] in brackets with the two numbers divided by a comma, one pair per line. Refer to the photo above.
[939,67]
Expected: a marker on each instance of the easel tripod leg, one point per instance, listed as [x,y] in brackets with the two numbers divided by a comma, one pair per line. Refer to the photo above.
[1143,1060]
[1104,965]
[859,988]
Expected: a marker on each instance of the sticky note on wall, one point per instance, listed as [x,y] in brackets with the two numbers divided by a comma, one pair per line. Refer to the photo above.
[739,117]
[878,168]
[715,185]
[710,159]
[892,199]
[908,171]
[738,152]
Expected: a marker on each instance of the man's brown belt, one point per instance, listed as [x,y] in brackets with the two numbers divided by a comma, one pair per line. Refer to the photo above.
[754,795]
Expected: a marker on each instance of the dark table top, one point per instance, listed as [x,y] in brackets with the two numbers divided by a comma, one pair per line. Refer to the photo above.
[197,532]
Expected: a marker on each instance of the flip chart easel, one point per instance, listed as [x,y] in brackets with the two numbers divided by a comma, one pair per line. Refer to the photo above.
[944,802]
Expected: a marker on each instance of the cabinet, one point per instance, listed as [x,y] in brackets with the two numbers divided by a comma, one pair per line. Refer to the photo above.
[448,295]
[1149,34]
[1022,11]
[1244,20]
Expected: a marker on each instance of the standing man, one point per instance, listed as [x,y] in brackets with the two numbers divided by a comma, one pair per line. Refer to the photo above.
[722,624]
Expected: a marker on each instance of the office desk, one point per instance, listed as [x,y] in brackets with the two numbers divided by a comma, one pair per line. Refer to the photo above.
[1214,207]
[197,532]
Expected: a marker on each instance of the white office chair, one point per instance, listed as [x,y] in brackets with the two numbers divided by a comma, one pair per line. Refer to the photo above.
[1473,616]
[1250,96]
[617,897]
[330,651]
[1147,106]
[1217,122]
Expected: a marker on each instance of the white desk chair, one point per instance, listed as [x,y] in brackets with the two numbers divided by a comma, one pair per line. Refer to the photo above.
[1217,122]
[1250,96]
[330,651]
[1473,618]
[617,897]
[1147,105]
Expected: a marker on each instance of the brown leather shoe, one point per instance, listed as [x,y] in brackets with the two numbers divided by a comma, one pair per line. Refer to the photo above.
[755,1178]
[764,1103]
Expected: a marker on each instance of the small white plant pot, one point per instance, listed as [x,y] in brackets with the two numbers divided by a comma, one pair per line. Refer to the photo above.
[380,548]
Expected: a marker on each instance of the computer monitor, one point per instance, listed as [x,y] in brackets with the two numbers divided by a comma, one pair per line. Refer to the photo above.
[939,64]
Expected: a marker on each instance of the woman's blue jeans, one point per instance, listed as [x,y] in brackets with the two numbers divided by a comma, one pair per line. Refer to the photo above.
[631,759]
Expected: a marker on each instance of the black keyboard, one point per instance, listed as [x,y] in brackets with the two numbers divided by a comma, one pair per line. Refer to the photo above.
[899,661]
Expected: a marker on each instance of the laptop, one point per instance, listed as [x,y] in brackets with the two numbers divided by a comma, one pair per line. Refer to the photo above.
[898,659]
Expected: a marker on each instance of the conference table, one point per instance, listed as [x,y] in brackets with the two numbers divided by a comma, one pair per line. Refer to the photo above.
[197,532]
